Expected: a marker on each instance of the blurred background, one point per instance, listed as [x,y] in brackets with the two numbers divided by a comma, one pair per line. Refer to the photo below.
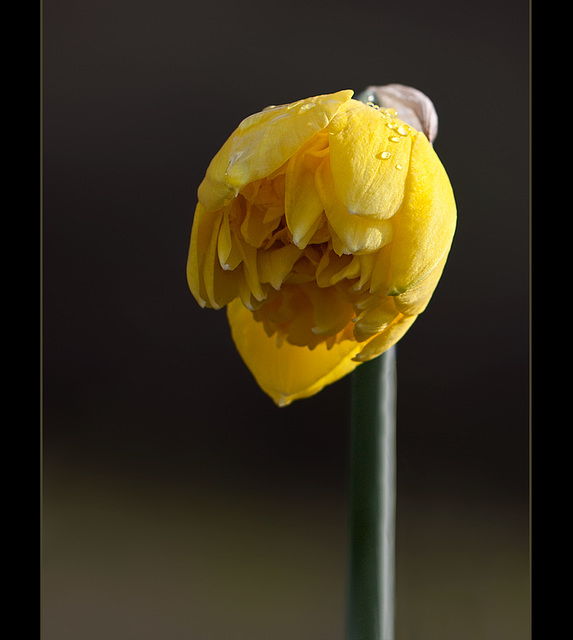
[178,502]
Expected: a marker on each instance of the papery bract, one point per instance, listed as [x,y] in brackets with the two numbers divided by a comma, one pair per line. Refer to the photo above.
[323,226]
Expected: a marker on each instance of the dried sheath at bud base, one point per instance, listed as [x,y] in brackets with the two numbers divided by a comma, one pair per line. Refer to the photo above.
[413,106]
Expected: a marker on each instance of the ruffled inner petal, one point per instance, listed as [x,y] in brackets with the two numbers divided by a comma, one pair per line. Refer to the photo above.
[331,311]
[250,270]
[276,264]
[352,234]
[227,246]
[333,268]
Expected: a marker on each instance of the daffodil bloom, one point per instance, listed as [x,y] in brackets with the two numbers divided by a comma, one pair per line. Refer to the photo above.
[323,226]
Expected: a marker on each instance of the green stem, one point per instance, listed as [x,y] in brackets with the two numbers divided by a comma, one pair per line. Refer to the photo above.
[373,500]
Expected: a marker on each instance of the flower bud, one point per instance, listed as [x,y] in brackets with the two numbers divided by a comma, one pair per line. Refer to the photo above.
[323,226]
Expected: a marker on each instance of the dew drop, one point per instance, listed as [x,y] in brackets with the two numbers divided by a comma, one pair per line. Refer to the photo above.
[403,130]
[394,139]
[399,167]
[392,125]
[385,154]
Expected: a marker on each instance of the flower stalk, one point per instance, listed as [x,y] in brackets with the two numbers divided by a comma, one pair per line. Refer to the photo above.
[371,573]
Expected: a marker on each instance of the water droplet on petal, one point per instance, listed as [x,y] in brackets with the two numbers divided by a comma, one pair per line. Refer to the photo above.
[403,130]
[385,154]
[399,167]
[394,139]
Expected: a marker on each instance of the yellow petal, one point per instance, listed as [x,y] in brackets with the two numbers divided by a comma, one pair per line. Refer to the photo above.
[275,265]
[287,373]
[415,299]
[375,319]
[426,222]
[388,338]
[350,233]
[250,269]
[200,237]
[331,312]
[254,229]
[369,155]
[211,261]
[303,206]
[367,263]
[333,268]
[380,270]
[209,283]
[263,142]
[227,246]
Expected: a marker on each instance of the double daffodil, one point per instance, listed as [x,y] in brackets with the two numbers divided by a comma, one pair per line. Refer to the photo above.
[323,226]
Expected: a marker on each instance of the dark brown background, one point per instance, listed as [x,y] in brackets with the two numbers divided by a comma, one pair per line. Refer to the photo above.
[179,503]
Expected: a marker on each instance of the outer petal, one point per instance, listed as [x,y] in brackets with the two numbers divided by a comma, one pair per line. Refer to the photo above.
[288,373]
[263,142]
[389,337]
[426,222]
[200,237]
[369,160]
[415,300]
[376,318]
[210,285]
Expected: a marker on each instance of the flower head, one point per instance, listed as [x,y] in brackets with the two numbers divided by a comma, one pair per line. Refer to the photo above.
[323,226]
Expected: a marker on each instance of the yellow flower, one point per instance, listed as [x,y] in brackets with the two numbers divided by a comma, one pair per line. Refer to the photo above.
[323,226]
